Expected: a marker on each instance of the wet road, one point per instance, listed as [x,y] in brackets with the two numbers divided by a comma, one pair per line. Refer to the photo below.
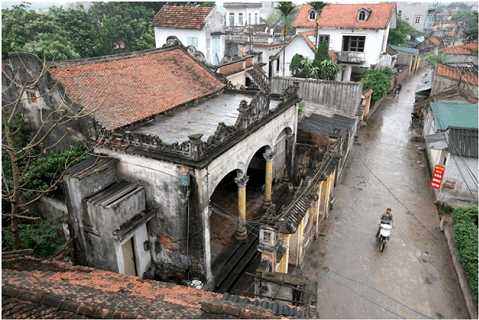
[414,277]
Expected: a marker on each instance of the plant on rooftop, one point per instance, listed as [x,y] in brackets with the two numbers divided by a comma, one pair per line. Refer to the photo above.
[377,79]
[466,242]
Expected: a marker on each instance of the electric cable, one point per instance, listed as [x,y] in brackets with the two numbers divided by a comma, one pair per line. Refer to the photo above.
[232,217]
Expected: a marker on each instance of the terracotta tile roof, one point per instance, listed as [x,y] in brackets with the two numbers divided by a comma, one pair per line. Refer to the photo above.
[457,73]
[125,91]
[301,19]
[96,293]
[435,41]
[461,49]
[344,16]
[182,17]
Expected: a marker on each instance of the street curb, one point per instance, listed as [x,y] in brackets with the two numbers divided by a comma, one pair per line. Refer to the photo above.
[446,226]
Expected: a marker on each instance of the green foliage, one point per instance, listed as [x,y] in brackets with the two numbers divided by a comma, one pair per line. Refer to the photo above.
[322,54]
[42,237]
[403,29]
[59,34]
[308,70]
[43,171]
[302,106]
[328,69]
[377,79]
[431,59]
[318,5]
[466,242]
[470,19]
[460,5]
[295,65]
[286,10]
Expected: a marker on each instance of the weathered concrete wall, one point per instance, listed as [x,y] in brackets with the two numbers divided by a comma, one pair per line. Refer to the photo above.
[404,58]
[77,188]
[458,187]
[336,95]
[440,84]
[164,193]
[45,98]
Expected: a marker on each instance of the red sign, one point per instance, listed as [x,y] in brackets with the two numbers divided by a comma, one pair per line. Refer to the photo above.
[437,176]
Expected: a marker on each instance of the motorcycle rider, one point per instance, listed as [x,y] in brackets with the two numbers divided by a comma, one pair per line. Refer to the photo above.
[386,218]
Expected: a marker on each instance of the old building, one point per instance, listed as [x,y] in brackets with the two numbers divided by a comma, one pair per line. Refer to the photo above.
[170,137]
[357,33]
[446,77]
[200,27]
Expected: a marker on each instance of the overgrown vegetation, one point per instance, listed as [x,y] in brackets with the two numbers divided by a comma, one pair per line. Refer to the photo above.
[41,236]
[322,67]
[466,242]
[470,20]
[431,58]
[377,79]
[60,34]
[398,35]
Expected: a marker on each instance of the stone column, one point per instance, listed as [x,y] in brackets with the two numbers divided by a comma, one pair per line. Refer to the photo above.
[241,233]
[289,157]
[268,155]
[347,74]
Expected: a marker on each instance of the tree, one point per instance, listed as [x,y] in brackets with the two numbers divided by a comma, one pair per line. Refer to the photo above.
[470,20]
[460,5]
[377,79]
[328,69]
[431,58]
[27,31]
[322,54]
[25,167]
[295,65]
[403,29]
[285,8]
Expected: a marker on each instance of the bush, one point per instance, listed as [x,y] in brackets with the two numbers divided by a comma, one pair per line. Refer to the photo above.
[322,54]
[377,79]
[295,65]
[41,236]
[431,59]
[466,242]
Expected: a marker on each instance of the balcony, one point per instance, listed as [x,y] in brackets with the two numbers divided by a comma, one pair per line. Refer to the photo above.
[352,57]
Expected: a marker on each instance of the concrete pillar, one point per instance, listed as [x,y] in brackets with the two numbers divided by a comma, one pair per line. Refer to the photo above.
[347,74]
[339,76]
[268,155]
[241,233]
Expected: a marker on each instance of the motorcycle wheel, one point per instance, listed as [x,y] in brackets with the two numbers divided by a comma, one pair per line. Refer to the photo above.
[383,244]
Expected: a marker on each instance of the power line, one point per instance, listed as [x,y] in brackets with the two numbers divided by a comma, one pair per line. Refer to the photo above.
[232,217]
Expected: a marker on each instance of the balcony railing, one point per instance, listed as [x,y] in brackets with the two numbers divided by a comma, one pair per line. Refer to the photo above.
[352,56]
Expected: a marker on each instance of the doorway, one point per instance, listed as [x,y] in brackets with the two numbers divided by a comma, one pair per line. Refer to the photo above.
[129,257]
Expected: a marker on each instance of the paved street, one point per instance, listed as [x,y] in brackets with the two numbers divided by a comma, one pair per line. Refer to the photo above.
[414,277]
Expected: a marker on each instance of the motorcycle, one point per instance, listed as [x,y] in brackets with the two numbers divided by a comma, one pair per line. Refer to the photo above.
[384,234]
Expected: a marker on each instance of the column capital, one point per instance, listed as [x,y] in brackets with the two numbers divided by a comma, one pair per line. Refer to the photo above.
[241,181]
[269,156]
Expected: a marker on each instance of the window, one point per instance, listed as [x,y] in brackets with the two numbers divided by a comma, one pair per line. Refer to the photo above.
[256,18]
[232,19]
[240,19]
[193,41]
[363,14]
[322,38]
[312,15]
[417,19]
[249,18]
[353,43]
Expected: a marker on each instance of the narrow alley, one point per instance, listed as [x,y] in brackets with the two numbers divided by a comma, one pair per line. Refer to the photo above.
[414,277]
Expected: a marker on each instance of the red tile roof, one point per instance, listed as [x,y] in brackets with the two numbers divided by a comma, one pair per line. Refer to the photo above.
[129,90]
[457,73]
[344,16]
[435,41]
[182,17]
[461,49]
[105,294]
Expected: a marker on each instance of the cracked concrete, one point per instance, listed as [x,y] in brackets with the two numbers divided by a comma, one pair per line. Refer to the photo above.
[386,170]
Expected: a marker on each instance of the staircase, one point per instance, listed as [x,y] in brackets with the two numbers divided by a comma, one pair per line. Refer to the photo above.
[259,78]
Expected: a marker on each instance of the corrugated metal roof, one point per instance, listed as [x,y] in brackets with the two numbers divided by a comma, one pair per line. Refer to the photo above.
[461,115]
[322,124]
[404,49]
[463,142]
